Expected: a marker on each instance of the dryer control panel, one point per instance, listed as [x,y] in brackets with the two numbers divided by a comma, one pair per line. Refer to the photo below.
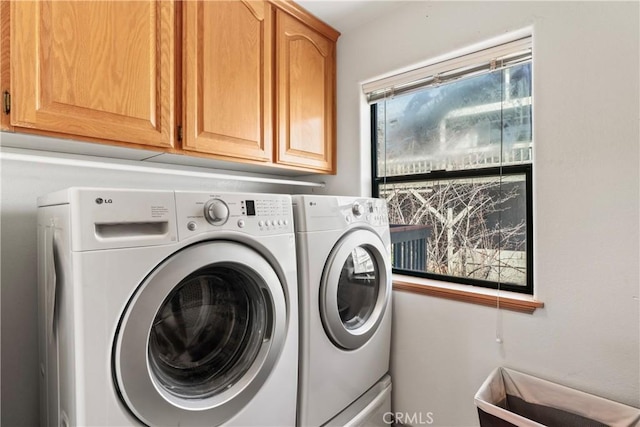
[372,211]
[322,213]
[252,213]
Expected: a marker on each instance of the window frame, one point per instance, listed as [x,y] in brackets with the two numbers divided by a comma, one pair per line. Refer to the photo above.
[495,171]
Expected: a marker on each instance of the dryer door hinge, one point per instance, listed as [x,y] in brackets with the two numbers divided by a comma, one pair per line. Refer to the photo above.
[179,133]
[6,102]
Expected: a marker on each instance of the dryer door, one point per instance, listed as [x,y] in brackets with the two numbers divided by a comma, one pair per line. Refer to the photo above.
[200,336]
[355,289]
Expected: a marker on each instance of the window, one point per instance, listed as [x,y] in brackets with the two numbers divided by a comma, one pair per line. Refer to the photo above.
[452,156]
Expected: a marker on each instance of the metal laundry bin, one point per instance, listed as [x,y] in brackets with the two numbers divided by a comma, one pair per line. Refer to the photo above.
[511,398]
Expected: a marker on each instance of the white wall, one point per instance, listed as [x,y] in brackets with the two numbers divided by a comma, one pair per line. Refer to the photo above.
[586,202]
[20,184]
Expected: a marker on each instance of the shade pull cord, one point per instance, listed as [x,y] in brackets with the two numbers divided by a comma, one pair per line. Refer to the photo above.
[499,329]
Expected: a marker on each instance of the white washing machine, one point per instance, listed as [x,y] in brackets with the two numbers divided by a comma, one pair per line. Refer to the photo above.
[167,308]
[344,276]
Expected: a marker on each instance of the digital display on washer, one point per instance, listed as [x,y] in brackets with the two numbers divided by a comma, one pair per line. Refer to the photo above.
[251,207]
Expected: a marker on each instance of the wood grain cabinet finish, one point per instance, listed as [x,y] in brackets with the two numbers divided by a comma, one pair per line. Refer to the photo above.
[97,69]
[227,55]
[247,81]
[305,95]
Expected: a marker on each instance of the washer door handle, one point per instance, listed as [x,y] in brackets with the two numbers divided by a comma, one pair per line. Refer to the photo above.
[52,278]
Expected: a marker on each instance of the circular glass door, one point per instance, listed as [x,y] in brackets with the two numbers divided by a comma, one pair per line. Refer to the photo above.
[358,288]
[207,332]
[200,336]
[355,289]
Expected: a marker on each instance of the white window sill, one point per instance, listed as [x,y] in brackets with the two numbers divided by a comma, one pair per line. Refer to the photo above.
[470,294]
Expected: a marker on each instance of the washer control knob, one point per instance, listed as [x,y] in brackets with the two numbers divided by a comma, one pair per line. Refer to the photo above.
[192,226]
[216,212]
[357,209]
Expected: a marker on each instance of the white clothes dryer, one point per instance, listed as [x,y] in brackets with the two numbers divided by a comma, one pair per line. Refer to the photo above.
[344,276]
[167,308]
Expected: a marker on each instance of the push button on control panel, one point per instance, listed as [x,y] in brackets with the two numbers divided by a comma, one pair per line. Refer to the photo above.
[273,224]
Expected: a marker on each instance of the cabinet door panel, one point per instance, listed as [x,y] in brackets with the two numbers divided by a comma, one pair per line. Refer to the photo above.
[228,78]
[306,87]
[5,57]
[101,69]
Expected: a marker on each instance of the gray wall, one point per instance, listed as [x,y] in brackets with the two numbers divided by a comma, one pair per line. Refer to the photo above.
[586,202]
[21,182]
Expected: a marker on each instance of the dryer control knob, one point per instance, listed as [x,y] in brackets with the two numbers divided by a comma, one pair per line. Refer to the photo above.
[357,209]
[216,212]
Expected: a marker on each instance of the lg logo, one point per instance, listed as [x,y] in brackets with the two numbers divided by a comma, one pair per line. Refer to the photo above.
[100,200]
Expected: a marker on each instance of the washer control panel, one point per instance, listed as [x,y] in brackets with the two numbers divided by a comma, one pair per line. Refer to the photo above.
[252,213]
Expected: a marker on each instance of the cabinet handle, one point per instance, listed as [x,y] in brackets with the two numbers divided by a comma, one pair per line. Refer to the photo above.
[6,102]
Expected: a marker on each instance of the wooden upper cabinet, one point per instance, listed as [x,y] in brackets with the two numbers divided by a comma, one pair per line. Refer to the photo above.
[227,54]
[249,81]
[97,69]
[305,95]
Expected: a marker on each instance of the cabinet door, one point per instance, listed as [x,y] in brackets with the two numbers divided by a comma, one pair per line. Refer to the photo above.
[305,96]
[227,78]
[5,50]
[98,69]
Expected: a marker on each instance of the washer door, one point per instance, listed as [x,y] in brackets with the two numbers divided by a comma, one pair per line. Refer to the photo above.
[200,336]
[355,289]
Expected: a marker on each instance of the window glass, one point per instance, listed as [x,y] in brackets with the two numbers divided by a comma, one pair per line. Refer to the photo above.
[208,332]
[453,159]
[358,288]
[472,228]
[475,122]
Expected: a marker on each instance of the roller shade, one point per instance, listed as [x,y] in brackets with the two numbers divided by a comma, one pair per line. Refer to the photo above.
[494,58]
